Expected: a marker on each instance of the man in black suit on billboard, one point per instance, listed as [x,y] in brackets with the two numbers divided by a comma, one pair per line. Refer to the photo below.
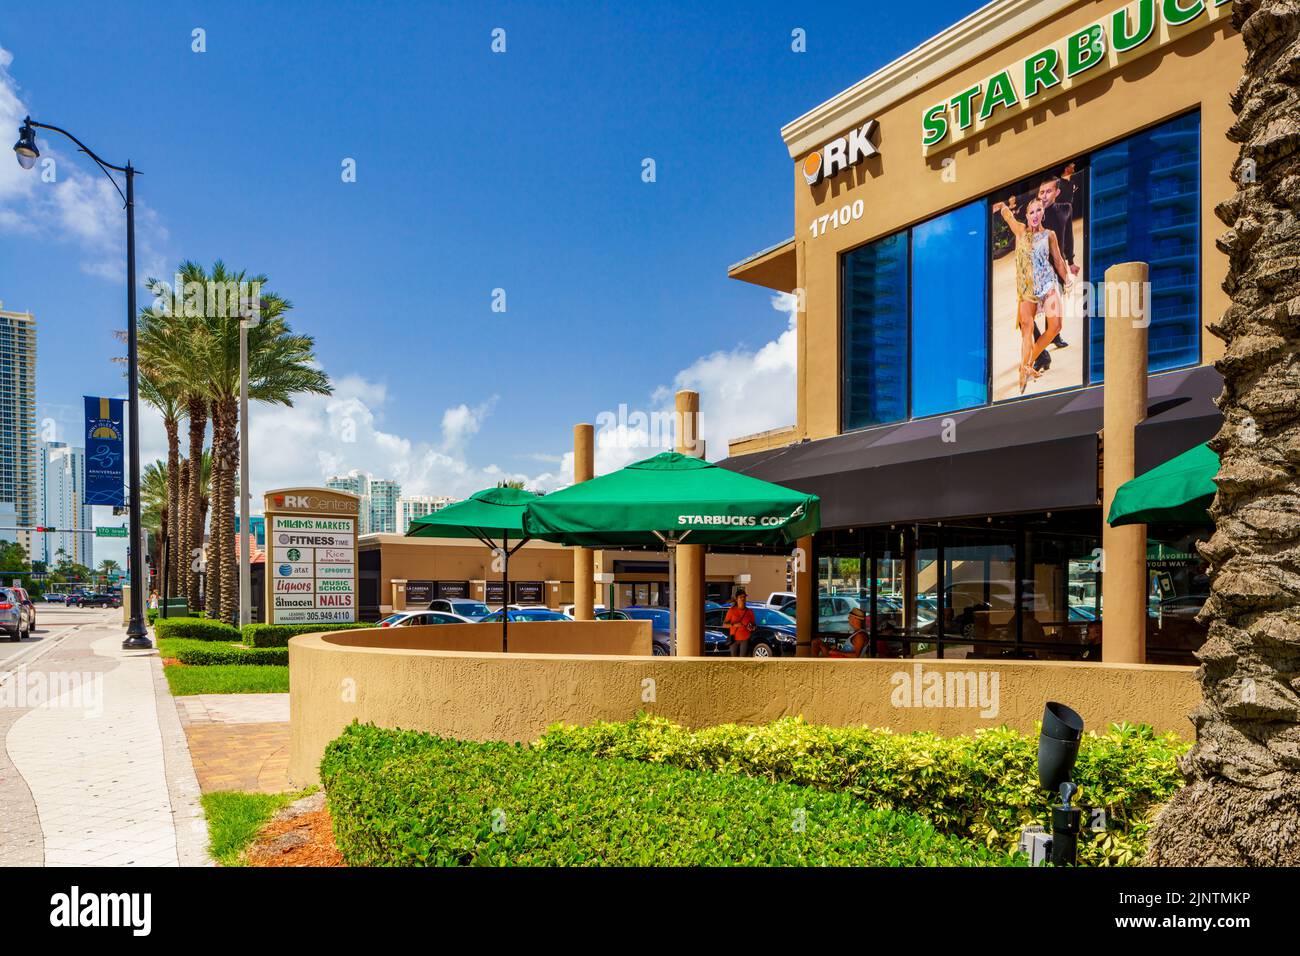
[1058,195]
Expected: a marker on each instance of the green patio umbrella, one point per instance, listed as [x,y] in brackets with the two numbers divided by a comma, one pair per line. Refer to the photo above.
[1180,490]
[487,515]
[668,500]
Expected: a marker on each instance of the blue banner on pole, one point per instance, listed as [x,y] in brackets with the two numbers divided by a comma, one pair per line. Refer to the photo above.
[104,477]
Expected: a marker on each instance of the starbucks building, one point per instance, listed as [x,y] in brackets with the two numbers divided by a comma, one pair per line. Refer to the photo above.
[957,215]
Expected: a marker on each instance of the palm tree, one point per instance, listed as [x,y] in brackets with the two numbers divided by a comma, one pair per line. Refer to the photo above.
[168,333]
[167,397]
[155,512]
[281,364]
[1241,805]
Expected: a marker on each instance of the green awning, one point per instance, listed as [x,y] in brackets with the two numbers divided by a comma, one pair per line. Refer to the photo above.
[1179,491]
[673,497]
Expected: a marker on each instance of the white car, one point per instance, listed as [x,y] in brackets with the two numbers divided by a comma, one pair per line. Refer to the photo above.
[461,607]
[779,599]
[568,609]
[419,618]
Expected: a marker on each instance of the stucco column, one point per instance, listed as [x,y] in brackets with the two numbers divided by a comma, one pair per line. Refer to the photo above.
[584,559]
[1124,549]
[805,594]
[690,557]
[399,594]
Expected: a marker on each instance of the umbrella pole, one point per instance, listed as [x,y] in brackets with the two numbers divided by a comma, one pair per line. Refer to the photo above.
[672,597]
[505,590]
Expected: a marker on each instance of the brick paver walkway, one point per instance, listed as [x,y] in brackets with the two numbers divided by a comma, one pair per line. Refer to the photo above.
[238,741]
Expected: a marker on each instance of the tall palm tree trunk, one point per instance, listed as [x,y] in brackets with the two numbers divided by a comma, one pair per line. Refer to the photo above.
[182,525]
[1241,805]
[170,523]
[222,538]
[197,412]
[226,507]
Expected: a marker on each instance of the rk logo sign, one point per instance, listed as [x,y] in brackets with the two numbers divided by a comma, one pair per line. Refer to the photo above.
[840,153]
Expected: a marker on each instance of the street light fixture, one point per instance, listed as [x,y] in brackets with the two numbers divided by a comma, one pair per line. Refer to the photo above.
[27,153]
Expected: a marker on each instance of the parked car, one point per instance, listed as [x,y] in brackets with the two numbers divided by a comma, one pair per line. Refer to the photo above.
[774,633]
[524,614]
[419,618]
[98,599]
[13,615]
[569,608]
[779,599]
[660,637]
[832,613]
[26,601]
[55,597]
[461,607]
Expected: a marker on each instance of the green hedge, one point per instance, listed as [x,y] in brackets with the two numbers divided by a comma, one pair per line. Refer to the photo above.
[213,655]
[401,798]
[982,787]
[195,628]
[277,635]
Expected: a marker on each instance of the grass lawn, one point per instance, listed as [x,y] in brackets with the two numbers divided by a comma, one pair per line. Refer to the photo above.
[228,679]
[235,817]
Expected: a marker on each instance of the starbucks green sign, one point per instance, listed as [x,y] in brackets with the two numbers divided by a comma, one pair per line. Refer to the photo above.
[1126,33]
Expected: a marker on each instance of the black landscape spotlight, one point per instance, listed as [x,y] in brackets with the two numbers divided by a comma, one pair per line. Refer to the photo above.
[1058,748]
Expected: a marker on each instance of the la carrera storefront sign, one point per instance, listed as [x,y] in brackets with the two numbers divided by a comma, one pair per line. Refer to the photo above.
[1125,34]
[312,540]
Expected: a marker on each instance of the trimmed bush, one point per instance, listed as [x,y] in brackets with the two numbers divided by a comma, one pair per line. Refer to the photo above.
[211,653]
[982,787]
[277,635]
[401,798]
[195,629]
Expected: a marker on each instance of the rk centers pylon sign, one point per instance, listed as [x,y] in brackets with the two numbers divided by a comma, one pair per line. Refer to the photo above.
[311,556]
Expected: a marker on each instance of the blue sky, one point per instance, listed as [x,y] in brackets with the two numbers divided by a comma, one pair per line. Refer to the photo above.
[475,171]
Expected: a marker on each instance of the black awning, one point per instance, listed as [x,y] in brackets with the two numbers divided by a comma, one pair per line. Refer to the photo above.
[1182,416]
[1037,454]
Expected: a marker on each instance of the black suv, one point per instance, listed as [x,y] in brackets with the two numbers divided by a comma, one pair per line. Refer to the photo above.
[90,599]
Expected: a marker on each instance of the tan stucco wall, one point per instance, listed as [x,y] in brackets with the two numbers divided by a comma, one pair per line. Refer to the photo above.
[631,638]
[485,696]
[903,186]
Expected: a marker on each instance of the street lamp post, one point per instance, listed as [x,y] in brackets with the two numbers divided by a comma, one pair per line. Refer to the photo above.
[27,152]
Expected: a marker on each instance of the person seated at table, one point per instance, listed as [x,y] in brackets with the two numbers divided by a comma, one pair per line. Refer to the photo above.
[854,646]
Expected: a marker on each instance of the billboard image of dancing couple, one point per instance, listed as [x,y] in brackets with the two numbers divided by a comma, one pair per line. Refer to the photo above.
[1037,278]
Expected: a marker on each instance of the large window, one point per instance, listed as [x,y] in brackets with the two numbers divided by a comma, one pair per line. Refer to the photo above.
[987,302]
[1146,208]
[950,281]
[874,310]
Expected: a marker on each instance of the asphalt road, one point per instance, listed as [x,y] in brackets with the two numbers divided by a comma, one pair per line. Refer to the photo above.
[54,621]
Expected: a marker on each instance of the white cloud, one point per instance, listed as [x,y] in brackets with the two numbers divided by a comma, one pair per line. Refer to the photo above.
[79,205]
[321,436]
[742,391]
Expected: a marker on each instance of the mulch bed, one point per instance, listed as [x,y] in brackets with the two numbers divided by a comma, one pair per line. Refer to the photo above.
[299,835]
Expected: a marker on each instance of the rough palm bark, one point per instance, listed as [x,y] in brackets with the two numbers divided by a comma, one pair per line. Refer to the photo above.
[182,525]
[216,533]
[173,506]
[222,566]
[1241,805]
[197,412]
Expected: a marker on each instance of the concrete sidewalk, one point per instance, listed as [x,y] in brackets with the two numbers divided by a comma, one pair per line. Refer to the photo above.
[95,769]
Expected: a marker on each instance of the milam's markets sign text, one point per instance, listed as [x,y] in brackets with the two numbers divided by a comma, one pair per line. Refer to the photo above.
[1126,33]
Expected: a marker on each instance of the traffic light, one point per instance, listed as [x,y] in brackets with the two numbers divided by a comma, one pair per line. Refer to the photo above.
[40,527]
